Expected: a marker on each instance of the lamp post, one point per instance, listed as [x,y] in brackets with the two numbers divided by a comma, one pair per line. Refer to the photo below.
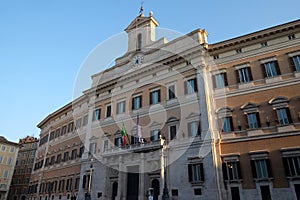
[88,194]
[165,195]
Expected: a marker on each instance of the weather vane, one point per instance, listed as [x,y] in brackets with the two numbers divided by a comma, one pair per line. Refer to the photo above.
[142,7]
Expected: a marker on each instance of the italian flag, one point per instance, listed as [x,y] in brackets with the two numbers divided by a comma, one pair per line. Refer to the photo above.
[124,134]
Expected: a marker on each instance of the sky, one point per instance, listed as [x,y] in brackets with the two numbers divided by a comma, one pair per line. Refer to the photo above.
[45,43]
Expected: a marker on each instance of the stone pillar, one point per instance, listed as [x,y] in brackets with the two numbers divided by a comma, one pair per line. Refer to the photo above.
[142,178]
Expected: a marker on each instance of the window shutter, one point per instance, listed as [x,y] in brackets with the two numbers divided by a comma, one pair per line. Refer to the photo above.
[199,128]
[254,174]
[214,81]
[185,87]
[190,173]
[276,116]
[239,170]
[132,103]
[286,166]
[225,79]
[224,169]
[270,174]
[289,115]
[141,101]
[202,172]
[277,67]
[258,119]
[250,73]
[196,85]
[237,76]
[84,181]
[158,95]
[263,68]
[246,120]
[292,64]
[151,94]
[231,123]
[189,129]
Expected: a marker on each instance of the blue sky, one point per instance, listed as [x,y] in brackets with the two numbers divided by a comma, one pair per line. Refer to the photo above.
[44,43]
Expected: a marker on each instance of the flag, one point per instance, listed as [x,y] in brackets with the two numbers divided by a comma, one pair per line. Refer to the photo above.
[138,129]
[124,134]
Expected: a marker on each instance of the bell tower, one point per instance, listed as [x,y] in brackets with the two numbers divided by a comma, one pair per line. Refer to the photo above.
[141,31]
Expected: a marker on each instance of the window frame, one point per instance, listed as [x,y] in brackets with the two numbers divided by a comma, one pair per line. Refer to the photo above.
[135,105]
[155,99]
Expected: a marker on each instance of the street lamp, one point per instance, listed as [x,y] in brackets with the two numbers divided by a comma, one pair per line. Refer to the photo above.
[165,195]
[88,194]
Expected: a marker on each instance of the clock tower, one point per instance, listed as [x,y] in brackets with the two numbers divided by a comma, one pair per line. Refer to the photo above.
[141,32]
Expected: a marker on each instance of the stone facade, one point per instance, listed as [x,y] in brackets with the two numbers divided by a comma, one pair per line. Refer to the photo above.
[8,156]
[24,166]
[203,121]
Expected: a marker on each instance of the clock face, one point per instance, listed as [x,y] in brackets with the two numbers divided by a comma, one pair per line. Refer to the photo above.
[138,60]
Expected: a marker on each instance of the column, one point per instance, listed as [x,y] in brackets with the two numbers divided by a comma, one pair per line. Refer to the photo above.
[142,178]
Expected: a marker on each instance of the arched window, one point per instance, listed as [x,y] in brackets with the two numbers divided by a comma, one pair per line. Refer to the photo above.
[139,41]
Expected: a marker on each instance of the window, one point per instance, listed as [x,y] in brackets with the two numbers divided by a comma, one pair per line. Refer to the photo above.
[63,130]
[3,148]
[1,158]
[12,149]
[190,86]
[172,132]
[97,114]
[108,111]
[52,161]
[232,170]
[58,158]
[139,43]
[8,162]
[29,170]
[244,75]
[61,185]
[69,184]
[74,154]
[31,160]
[105,145]
[265,192]
[81,151]
[227,125]
[283,116]
[295,62]
[264,44]
[221,80]
[70,127]
[238,51]
[291,37]
[197,191]
[137,102]
[78,123]
[196,173]
[155,97]
[52,135]
[85,120]
[5,174]
[171,92]
[66,156]
[292,166]
[235,193]
[77,181]
[155,135]
[121,107]
[271,69]
[174,192]
[57,133]
[93,148]
[118,142]
[47,162]
[261,168]
[194,128]
[253,120]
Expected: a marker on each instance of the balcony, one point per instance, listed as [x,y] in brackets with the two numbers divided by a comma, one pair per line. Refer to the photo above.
[134,148]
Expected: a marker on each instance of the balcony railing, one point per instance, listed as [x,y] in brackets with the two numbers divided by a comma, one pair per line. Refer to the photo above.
[135,148]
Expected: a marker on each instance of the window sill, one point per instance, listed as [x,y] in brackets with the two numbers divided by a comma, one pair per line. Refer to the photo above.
[285,128]
[292,178]
[273,79]
[263,179]
[297,74]
[197,183]
[246,85]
